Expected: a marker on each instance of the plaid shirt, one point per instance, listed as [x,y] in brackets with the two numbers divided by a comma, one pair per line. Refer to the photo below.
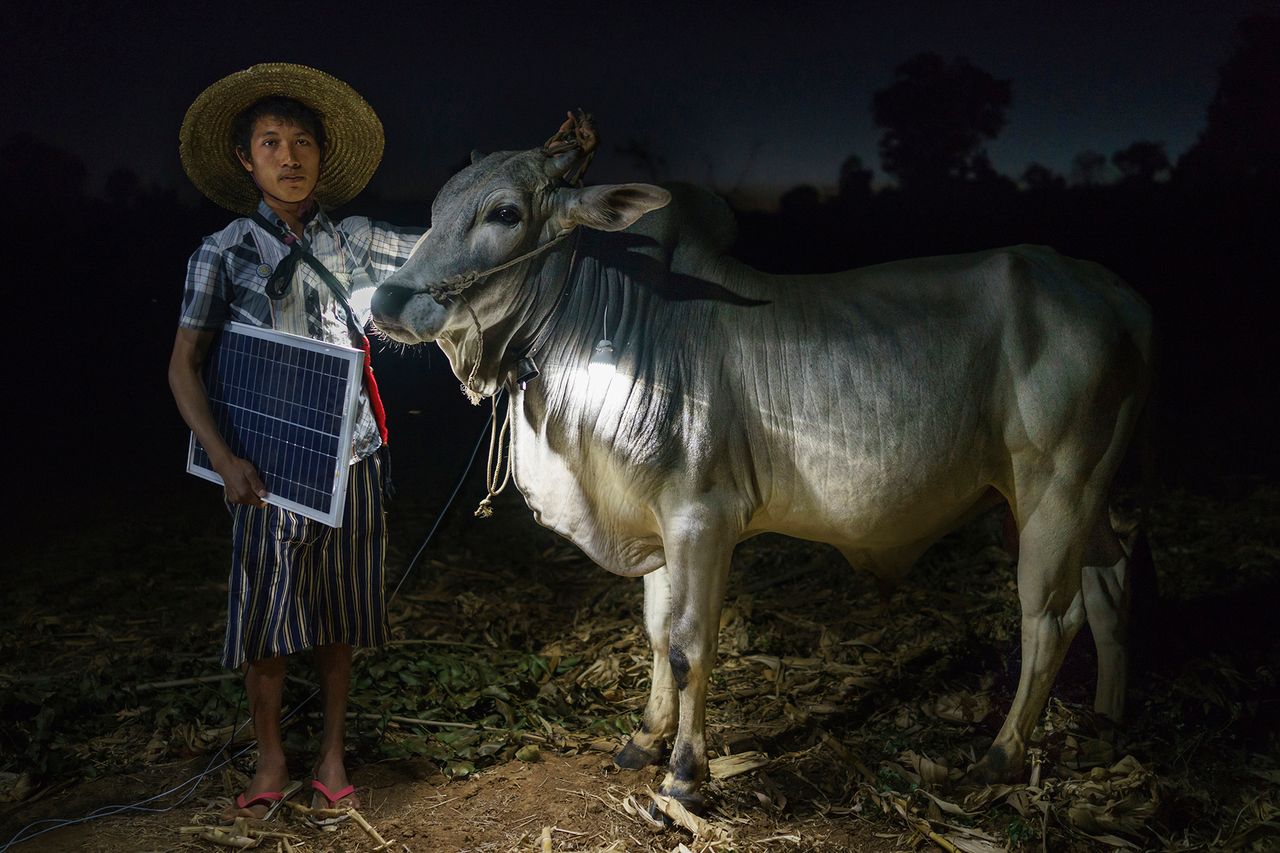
[227,277]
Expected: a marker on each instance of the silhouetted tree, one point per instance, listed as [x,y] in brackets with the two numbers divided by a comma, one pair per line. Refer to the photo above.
[40,175]
[1142,161]
[855,180]
[1038,177]
[1088,169]
[982,172]
[799,203]
[936,115]
[1241,142]
[123,187]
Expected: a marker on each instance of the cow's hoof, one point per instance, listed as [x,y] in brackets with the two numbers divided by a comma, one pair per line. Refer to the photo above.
[692,803]
[633,757]
[995,767]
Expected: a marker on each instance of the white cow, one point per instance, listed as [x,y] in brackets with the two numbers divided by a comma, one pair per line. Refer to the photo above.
[874,409]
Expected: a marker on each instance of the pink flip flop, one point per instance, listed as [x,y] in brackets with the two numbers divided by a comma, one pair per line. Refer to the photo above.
[271,799]
[333,797]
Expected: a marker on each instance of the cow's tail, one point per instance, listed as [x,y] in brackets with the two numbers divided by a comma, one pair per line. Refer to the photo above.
[1132,527]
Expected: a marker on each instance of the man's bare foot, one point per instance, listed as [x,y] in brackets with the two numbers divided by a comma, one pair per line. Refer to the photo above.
[270,777]
[332,774]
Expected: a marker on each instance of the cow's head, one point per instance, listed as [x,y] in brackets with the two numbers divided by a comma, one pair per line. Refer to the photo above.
[500,207]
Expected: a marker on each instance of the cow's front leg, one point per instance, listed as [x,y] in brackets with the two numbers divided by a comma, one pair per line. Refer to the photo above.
[698,567]
[662,712]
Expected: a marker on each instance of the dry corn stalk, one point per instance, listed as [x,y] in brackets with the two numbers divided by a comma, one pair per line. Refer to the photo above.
[238,834]
[266,833]
[634,809]
[307,811]
[352,813]
[224,838]
[728,766]
[673,809]
[369,830]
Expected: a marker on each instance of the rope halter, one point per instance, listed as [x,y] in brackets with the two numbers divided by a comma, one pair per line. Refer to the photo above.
[445,289]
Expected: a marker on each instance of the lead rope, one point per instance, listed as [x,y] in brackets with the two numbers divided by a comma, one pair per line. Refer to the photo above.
[492,483]
[497,439]
[468,387]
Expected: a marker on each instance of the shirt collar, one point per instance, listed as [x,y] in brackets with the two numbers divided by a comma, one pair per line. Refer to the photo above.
[317,221]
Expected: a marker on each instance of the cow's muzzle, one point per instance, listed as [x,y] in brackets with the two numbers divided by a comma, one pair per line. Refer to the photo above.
[389,301]
[407,314]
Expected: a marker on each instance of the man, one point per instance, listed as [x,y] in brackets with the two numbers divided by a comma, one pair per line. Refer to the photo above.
[278,142]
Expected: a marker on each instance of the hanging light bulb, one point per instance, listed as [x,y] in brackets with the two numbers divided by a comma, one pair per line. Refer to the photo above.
[602,365]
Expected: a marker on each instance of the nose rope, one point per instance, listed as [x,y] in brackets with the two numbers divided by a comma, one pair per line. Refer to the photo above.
[455,284]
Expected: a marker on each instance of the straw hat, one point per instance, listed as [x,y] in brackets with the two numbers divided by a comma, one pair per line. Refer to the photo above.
[351,126]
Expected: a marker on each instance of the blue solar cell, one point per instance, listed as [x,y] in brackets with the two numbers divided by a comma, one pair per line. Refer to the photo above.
[287,404]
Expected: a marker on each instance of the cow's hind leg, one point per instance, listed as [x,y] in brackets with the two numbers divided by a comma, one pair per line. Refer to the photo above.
[1052,544]
[661,714]
[1106,604]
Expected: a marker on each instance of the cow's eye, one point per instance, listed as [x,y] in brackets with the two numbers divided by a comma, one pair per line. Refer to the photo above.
[507,214]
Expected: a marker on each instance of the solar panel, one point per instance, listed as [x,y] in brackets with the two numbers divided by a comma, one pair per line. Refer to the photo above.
[287,404]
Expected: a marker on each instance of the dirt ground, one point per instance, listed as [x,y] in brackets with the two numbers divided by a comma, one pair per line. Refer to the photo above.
[837,722]
[505,808]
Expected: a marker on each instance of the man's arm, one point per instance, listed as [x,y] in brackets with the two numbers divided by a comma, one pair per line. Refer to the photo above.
[379,247]
[243,485]
[391,246]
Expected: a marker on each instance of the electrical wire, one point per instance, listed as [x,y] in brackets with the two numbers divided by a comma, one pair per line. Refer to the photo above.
[448,503]
[214,765]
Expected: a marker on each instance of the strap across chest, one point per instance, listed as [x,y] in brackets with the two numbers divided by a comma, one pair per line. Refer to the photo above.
[278,285]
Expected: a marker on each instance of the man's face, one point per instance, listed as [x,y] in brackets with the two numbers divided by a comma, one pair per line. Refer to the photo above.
[284,159]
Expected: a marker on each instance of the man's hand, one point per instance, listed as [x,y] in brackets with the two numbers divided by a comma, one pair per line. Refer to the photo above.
[241,481]
[239,476]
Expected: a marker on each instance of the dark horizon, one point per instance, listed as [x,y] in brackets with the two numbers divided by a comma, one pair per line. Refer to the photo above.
[758,101]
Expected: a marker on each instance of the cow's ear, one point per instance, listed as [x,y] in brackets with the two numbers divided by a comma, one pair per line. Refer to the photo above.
[613,207]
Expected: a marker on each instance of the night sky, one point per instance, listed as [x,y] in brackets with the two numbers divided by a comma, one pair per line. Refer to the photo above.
[749,96]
